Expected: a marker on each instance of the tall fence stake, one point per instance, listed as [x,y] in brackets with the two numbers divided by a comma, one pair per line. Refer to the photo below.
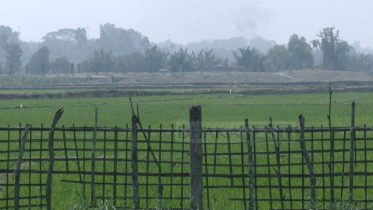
[93,193]
[352,139]
[278,161]
[251,167]
[18,167]
[135,179]
[306,156]
[195,155]
[48,195]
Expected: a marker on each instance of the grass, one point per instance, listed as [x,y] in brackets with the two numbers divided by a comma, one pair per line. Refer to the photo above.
[219,110]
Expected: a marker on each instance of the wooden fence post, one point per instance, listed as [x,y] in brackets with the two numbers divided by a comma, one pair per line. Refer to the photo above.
[306,157]
[48,193]
[18,167]
[93,191]
[352,140]
[251,166]
[135,178]
[195,157]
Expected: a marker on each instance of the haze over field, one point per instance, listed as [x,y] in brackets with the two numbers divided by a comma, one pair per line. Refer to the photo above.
[193,20]
[184,36]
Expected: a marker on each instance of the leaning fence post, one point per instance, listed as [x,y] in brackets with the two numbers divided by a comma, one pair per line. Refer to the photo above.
[18,167]
[306,156]
[48,195]
[135,178]
[352,139]
[195,155]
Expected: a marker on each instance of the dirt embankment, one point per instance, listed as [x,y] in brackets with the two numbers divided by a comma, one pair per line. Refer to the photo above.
[126,93]
[301,81]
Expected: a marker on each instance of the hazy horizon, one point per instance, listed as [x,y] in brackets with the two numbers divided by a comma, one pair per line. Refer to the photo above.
[192,21]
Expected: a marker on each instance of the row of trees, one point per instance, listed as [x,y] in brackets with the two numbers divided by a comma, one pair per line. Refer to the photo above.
[129,51]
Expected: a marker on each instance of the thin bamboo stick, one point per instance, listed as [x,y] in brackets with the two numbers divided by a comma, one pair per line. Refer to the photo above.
[56,117]
[18,167]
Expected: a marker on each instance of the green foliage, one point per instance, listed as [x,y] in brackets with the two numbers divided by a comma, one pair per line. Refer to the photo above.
[12,36]
[155,58]
[300,53]
[40,58]
[101,61]
[335,50]
[278,58]
[81,36]
[250,59]
[13,57]
[134,62]
[205,60]
[360,62]
[181,61]
[11,50]
[61,65]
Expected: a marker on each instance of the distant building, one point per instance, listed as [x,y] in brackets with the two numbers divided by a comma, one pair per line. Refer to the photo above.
[227,67]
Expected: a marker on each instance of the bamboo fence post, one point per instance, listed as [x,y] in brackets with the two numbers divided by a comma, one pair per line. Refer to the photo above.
[18,168]
[352,139]
[331,158]
[135,179]
[251,168]
[195,155]
[93,193]
[306,156]
[48,195]
[278,162]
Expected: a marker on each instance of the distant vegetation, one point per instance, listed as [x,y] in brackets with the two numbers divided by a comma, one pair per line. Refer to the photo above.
[122,50]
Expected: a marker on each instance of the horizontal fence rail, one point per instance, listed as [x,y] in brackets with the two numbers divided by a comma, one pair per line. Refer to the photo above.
[183,168]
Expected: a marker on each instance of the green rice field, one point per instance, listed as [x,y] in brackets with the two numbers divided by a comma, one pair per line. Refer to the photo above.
[218,110]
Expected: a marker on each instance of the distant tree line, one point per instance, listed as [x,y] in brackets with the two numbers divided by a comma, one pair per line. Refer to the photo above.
[120,50]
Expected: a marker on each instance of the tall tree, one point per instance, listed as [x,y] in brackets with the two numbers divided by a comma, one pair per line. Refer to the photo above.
[134,62]
[278,58]
[250,59]
[12,54]
[13,57]
[61,65]
[180,61]
[155,58]
[102,60]
[335,50]
[204,60]
[300,52]
[12,36]
[81,36]
[40,58]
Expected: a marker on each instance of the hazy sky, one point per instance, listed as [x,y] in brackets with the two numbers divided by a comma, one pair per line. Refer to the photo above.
[185,21]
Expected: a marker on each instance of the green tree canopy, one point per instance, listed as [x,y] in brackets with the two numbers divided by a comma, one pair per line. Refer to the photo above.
[278,58]
[204,60]
[61,65]
[335,51]
[180,61]
[300,52]
[155,58]
[250,59]
[13,57]
[40,58]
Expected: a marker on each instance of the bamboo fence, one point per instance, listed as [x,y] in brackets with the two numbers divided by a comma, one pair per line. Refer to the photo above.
[187,168]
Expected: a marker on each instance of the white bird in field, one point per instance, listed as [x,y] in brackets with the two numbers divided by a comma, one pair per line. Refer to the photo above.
[20,106]
[230,92]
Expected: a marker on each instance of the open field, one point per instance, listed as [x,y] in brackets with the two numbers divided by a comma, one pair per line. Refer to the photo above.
[218,110]
[230,110]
